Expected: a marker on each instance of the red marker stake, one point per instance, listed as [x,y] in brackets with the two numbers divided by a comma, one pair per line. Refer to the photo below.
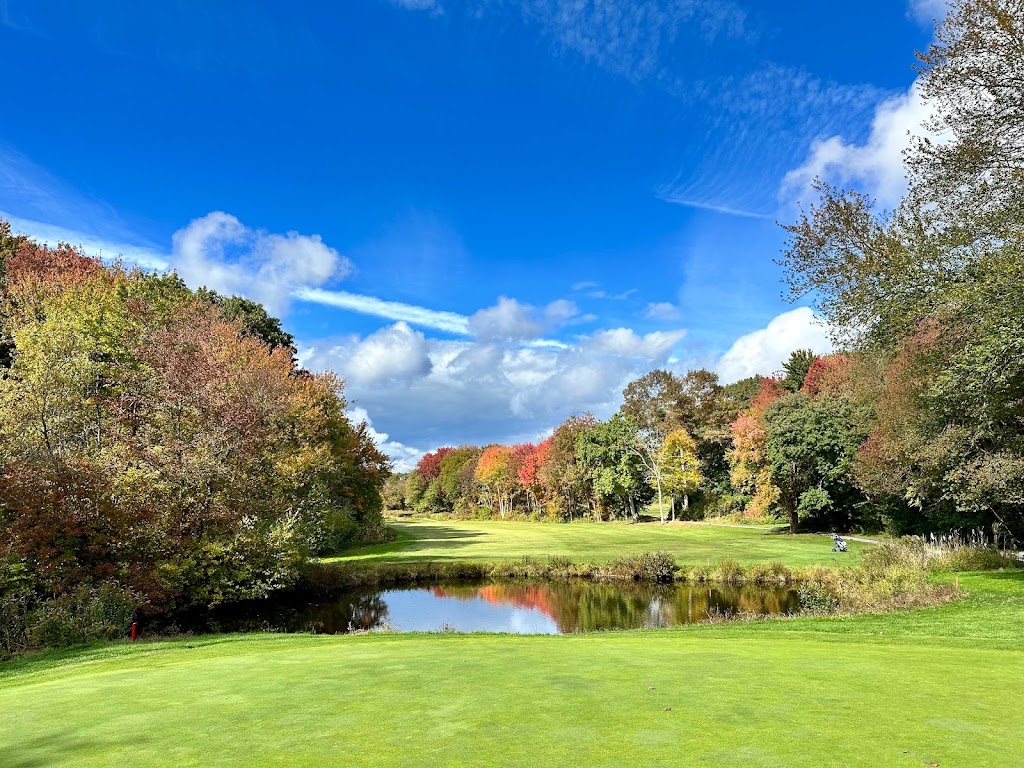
[135,628]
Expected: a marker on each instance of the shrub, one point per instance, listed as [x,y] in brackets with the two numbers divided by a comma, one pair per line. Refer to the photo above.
[657,567]
[815,597]
[89,613]
[698,574]
[769,573]
[729,571]
[906,552]
[976,558]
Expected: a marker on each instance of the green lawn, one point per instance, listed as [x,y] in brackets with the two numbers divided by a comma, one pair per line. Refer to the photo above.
[941,685]
[692,544]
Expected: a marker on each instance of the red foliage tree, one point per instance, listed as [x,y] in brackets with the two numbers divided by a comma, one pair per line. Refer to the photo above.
[429,467]
[827,376]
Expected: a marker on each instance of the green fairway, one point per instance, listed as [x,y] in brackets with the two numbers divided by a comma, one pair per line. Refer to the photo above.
[692,544]
[940,685]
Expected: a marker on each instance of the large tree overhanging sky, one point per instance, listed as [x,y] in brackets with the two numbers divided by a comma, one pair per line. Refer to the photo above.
[487,215]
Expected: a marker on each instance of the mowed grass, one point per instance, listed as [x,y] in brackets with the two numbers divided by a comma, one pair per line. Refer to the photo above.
[940,685]
[691,544]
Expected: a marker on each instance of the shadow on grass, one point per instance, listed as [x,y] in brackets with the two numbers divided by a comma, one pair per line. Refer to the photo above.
[42,751]
[408,541]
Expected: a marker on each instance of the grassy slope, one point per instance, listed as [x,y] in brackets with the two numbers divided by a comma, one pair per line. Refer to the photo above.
[942,684]
[423,540]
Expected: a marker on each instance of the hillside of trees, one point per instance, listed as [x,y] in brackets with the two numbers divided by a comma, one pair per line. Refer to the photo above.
[917,426]
[159,449]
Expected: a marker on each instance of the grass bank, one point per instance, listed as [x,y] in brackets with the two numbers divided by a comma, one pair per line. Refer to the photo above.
[940,685]
[691,544]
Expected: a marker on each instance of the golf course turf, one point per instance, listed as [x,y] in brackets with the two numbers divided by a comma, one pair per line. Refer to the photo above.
[690,544]
[941,685]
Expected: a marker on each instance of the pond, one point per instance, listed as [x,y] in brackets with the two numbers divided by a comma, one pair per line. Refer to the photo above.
[532,608]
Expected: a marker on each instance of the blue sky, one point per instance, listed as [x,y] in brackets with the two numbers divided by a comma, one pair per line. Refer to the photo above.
[487,215]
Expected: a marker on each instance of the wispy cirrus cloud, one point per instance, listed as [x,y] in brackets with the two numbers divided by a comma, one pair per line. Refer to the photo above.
[763,123]
[439,320]
[635,40]
[146,256]
[638,41]
[418,5]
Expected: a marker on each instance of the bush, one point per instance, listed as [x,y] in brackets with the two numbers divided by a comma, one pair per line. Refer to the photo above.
[657,567]
[105,612]
[905,552]
[978,558]
[729,571]
[769,573]
[698,574]
[817,598]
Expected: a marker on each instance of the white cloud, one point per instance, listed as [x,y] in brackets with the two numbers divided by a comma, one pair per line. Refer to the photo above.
[508,319]
[764,351]
[403,457]
[219,252]
[145,256]
[637,40]
[662,310]
[418,5]
[393,354]
[449,322]
[927,11]
[875,166]
[625,342]
[482,390]
[512,320]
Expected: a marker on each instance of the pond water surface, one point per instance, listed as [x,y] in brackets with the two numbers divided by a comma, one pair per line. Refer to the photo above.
[524,608]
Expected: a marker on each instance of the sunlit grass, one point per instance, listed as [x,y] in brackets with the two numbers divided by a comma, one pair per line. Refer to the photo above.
[691,544]
[942,685]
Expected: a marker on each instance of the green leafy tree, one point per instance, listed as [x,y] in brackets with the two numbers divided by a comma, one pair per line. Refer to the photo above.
[810,449]
[934,287]
[796,368]
[607,451]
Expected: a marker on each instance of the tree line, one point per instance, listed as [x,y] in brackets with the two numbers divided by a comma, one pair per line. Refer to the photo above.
[159,447]
[918,425]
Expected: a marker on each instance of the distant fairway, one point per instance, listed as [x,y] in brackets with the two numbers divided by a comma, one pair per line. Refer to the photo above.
[691,544]
[939,685]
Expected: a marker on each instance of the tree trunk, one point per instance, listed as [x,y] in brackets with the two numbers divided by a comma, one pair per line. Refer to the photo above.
[794,520]
[661,504]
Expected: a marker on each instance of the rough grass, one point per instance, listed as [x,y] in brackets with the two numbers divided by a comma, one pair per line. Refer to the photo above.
[939,685]
[690,544]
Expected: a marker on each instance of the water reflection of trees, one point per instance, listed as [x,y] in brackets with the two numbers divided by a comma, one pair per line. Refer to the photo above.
[581,606]
[352,612]
[574,606]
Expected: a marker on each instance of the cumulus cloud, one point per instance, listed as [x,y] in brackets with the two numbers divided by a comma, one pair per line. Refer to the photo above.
[395,354]
[512,320]
[764,351]
[662,310]
[875,166]
[626,343]
[432,392]
[219,252]
[403,457]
